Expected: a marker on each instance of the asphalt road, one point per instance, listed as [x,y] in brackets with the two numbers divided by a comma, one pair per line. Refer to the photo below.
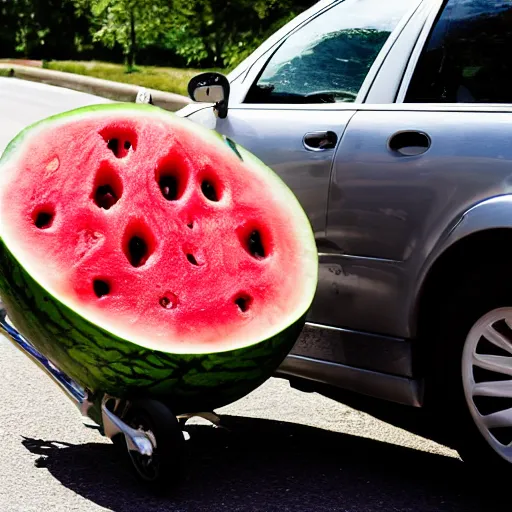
[286,450]
[23,103]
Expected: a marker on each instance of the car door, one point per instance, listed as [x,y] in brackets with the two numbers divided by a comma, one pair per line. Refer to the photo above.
[404,171]
[298,99]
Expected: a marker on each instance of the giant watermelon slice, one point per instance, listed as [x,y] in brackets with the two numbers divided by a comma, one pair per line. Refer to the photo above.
[147,256]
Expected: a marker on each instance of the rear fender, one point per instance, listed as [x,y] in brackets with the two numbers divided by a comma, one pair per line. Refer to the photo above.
[490,214]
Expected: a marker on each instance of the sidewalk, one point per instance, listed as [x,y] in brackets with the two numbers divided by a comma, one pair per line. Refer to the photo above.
[105,88]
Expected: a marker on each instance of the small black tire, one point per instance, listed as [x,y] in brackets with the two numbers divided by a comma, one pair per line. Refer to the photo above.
[166,467]
[467,295]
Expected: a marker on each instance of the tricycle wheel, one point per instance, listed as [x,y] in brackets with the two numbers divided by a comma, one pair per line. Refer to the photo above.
[166,464]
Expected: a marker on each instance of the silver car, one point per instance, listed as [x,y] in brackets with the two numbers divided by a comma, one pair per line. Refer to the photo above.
[392,122]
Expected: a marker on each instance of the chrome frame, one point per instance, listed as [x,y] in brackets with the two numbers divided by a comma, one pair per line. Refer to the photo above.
[70,388]
[136,441]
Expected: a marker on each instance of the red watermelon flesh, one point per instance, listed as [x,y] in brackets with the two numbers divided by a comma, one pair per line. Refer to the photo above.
[159,233]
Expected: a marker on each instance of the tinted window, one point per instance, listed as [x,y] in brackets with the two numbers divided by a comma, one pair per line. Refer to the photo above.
[467,57]
[327,60]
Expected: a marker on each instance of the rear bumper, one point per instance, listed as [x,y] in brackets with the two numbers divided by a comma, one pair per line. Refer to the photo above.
[373,365]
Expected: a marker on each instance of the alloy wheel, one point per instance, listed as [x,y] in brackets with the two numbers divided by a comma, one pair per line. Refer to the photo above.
[487,378]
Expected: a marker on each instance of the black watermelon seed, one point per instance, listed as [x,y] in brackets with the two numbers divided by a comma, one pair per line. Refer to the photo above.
[191,258]
[43,220]
[209,191]
[137,251]
[169,300]
[113,145]
[255,245]
[243,302]
[169,187]
[105,197]
[100,287]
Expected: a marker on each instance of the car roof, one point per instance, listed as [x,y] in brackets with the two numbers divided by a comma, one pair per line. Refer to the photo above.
[23,103]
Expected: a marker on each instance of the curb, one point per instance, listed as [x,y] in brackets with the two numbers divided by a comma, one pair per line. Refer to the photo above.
[97,86]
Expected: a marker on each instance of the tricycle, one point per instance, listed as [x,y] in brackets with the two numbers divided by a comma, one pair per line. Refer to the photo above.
[154,437]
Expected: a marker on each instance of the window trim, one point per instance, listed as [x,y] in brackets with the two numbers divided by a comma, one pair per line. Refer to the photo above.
[437,9]
[377,107]
[386,82]
[253,75]
[379,62]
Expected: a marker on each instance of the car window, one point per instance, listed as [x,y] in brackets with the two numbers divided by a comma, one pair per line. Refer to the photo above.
[466,57]
[327,60]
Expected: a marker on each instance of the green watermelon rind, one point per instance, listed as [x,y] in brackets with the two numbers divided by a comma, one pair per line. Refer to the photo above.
[102,362]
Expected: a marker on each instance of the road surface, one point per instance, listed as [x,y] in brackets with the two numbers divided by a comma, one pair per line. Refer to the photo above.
[286,451]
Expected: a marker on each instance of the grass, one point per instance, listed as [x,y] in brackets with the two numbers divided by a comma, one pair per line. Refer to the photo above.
[161,78]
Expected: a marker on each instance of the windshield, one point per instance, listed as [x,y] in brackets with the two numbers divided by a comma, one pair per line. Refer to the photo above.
[328,59]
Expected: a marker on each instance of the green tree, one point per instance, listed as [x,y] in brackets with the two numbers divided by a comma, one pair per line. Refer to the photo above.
[220,33]
[40,28]
[7,29]
[132,24]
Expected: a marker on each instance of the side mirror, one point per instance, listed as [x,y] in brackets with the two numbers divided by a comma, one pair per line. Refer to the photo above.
[211,87]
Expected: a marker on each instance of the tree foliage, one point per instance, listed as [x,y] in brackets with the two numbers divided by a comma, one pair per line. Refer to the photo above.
[131,24]
[220,33]
[204,33]
[40,28]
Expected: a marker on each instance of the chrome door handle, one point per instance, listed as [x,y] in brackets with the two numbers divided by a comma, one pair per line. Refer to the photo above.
[409,143]
[319,141]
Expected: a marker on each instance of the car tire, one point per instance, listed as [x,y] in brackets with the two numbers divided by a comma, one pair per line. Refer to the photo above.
[470,303]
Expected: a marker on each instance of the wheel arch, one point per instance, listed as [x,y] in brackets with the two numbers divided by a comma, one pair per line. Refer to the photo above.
[468,275]
[477,237]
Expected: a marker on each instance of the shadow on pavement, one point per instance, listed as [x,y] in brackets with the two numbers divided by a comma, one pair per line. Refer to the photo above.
[262,465]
